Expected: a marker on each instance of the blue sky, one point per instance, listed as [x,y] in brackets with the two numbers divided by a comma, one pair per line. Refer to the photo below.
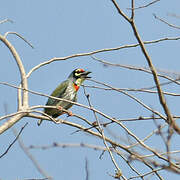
[62,28]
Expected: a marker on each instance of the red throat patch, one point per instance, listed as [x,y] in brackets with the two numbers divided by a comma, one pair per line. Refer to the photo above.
[76,87]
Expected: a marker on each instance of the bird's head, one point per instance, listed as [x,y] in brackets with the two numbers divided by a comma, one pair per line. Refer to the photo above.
[79,75]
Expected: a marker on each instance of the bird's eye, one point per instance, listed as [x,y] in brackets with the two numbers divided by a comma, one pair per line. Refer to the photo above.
[79,71]
[77,74]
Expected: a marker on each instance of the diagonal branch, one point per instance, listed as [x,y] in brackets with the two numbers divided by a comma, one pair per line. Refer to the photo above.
[96,52]
[6,20]
[31,157]
[12,121]
[162,100]
[18,35]
[21,70]
[162,20]
[144,6]
[17,136]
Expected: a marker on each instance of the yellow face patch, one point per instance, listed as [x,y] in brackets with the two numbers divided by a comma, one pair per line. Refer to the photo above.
[79,81]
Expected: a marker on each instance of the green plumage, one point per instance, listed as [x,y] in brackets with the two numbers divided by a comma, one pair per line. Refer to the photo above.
[66,90]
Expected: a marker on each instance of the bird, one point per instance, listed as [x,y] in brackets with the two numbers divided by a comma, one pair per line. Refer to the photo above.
[66,90]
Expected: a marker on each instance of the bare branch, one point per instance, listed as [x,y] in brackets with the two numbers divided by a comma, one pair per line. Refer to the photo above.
[143,90]
[12,114]
[144,6]
[103,137]
[87,169]
[6,20]
[171,25]
[15,33]
[96,52]
[134,98]
[173,15]
[17,136]
[148,136]
[131,67]
[162,100]
[21,69]
[70,145]
[9,123]
[151,66]
[146,174]
[120,11]
[132,9]
[90,108]
[31,157]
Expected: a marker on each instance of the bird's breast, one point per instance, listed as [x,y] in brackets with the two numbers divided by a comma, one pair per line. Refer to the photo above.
[70,93]
[76,87]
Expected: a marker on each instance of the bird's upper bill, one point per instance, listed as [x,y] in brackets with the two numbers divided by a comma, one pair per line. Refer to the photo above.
[85,74]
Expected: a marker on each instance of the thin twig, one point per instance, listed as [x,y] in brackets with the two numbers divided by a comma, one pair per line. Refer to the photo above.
[78,104]
[162,99]
[131,167]
[96,52]
[20,36]
[149,135]
[101,131]
[31,157]
[14,141]
[134,98]
[132,9]
[6,20]
[119,10]
[173,15]
[144,6]
[87,169]
[162,20]
[68,145]
[146,174]
[143,69]
[143,90]
[162,153]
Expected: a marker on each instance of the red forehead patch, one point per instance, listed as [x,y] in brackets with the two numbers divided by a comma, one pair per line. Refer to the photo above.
[81,70]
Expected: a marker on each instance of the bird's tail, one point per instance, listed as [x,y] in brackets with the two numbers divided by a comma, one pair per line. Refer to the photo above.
[39,122]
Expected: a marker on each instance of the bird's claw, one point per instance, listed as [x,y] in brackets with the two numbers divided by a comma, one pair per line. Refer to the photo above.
[70,113]
[60,108]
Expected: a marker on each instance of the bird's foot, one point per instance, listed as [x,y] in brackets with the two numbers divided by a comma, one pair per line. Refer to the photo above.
[59,108]
[69,113]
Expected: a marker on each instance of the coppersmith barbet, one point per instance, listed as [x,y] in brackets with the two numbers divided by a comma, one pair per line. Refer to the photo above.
[66,90]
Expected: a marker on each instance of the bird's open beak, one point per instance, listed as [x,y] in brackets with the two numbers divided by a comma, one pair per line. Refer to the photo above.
[85,74]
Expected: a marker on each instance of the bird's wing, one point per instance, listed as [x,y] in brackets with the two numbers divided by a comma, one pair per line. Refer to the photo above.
[58,92]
